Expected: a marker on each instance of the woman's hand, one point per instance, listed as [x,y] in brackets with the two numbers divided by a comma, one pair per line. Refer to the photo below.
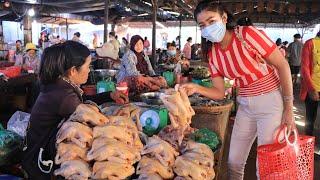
[288,119]
[119,97]
[190,88]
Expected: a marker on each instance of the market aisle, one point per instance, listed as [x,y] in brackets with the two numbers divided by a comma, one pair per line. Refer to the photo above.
[299,111]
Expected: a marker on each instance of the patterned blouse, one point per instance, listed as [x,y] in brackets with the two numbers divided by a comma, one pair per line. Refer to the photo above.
[129,66]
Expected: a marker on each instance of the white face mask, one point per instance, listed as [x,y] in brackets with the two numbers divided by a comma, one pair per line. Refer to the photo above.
[214,32]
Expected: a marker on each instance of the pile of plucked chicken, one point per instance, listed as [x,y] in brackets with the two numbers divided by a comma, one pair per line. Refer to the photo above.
[91,145]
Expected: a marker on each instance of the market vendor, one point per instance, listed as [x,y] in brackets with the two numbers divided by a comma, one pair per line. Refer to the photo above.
[174,56]
[137,70]
[63,69]
[30,60]
[261,72]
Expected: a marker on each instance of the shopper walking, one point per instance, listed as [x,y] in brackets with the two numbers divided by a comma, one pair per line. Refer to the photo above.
[310,84]
[294,55]
[187,48]
[261,72]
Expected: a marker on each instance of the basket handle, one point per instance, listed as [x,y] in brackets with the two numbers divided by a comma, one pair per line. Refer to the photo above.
[283,129]
[286,136]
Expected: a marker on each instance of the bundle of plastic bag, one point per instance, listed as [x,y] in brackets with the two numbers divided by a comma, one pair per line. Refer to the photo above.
[207,137]
[18,123]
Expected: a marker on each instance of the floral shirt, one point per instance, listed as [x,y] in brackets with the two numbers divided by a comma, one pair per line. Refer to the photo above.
[129,66]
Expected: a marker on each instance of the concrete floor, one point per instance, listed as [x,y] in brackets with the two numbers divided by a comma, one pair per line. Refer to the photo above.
[299,111]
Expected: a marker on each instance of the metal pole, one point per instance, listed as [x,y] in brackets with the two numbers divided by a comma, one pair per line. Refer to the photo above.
[180,26]
[196,34]
[106,19]
[67,29]
[154,27]
[27,27]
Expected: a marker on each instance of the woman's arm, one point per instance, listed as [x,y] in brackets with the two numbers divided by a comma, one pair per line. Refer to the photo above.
[150,68]
[216,92]
[278,61]
[130,65]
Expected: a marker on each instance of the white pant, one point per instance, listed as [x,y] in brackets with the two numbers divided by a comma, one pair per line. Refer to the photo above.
[258,115]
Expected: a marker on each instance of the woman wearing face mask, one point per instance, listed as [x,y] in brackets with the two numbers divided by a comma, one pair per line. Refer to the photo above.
[237,53]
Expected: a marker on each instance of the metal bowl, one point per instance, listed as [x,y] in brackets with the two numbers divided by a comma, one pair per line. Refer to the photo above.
[151,98]
[103,73]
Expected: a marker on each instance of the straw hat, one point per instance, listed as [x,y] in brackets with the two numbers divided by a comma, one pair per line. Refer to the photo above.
[107,50]
[31,46]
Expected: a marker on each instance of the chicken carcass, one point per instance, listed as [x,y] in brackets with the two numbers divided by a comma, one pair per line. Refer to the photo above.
[122,121]
[182,178]
[119,151]
[76,133]
[199,159]
[120,133]
[191,146]
[74,169]
[149,177]
[172,135]
[111,170]
[152,166]
[186,168]
[130,111]
[101,141]
[89,114]
[69,151]
[161,150]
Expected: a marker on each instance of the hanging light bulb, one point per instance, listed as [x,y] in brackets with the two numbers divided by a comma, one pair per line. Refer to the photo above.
[31,12]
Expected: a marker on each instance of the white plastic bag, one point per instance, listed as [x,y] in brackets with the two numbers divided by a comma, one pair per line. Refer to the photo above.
[18,123]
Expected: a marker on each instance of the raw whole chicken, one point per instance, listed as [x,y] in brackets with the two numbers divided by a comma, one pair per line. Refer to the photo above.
[76,133]
[199,159]
[152,166]
[123,134]
[111,170]
[118,150]
[150,177]
[186,168]
[178,105]
[172,135]
[74,169]
[101,141]
[130,111]
[200,148]
[89,114]
[161,150]
[122,121]
[69,151]
[182,178]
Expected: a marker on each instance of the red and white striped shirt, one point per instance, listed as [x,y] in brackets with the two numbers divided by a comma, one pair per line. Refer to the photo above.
[238,63]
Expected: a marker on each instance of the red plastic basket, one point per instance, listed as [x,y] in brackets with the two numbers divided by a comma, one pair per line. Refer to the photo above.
[305,157]
[277,161]
[12,71]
